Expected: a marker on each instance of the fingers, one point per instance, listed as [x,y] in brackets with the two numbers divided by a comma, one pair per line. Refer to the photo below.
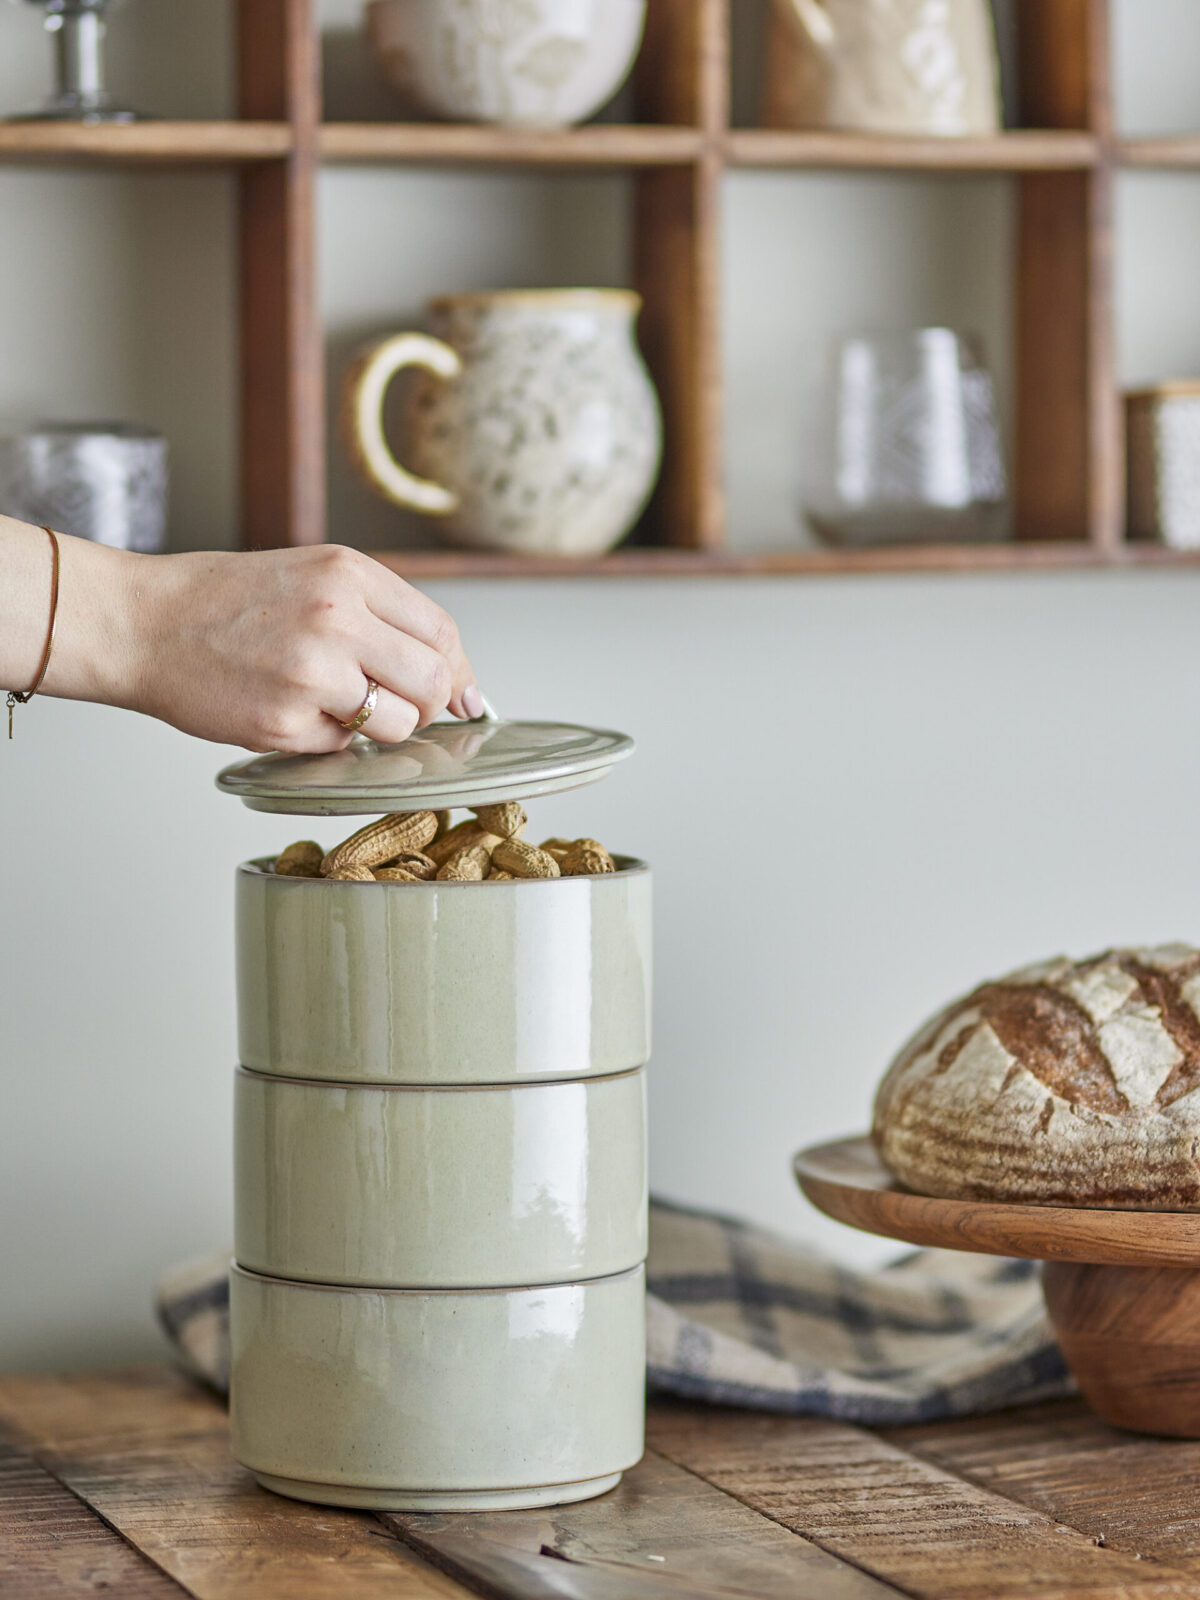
[408,611]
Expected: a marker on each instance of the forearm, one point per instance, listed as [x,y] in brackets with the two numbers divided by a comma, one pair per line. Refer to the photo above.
[94,655]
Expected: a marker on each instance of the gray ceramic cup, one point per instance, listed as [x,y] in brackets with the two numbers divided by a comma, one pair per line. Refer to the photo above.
[443,982]
[440,1187]
[427,1401]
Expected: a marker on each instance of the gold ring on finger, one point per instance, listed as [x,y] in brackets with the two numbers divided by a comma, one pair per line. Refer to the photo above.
[364,711]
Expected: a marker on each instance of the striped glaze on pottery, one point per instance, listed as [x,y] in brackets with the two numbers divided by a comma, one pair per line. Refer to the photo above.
[440,1187]
[438,1400]
[441,982]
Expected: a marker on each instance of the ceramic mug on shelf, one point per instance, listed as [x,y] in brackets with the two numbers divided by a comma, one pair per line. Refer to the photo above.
[884,66]
[539,63]
[531,424]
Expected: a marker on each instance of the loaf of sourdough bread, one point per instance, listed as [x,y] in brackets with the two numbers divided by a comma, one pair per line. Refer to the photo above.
[1075,1082]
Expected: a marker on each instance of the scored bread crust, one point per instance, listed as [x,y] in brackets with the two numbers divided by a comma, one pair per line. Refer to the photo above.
[1076,1082]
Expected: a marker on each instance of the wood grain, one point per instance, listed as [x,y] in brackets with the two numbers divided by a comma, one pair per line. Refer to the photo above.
[282,358]
[53,1547]
[662,1531]
[144,143]
[597,146]
[1131,1337]
[1017,151]
[846,1180]
[1179,152]
[898,1516]
[718,562]
[1135,1494]
[676,269]
[149,1451]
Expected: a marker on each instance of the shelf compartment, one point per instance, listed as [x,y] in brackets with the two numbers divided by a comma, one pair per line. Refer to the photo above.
[682,562]
[431,143]
[145,143]
[1024,150]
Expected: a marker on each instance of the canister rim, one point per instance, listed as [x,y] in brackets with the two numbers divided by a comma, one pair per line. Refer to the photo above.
[636,868]
[437,1086]
[236,1270]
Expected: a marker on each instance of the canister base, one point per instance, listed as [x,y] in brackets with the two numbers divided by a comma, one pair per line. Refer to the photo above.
[336,1494]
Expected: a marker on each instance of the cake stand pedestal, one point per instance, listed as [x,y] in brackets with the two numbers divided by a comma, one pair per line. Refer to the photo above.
[1122,1287]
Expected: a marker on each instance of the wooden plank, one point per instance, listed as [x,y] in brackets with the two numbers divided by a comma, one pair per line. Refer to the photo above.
[1134,1493]
[152,143]
[662,1532]
[282,358]
[599,145]
[897,1516]
[680,562]
[149,1451]
[1018,151]
[682,77]
[52,1547]
[1181,152]
[1068,477]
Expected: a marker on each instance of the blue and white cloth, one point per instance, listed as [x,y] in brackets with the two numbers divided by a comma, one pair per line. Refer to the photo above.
[739,1316]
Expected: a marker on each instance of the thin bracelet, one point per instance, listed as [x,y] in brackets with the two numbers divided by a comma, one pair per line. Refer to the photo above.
[15,696]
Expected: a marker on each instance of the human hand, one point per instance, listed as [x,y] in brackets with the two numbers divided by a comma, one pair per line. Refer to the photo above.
[273,649]
[268,649]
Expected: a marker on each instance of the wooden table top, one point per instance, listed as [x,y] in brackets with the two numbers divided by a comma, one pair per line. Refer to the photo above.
[122,1484]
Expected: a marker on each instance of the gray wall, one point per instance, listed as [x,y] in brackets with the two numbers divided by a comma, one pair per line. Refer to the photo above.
[859,795]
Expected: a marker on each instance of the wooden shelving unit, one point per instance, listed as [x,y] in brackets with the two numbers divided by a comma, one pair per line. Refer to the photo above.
[1067,470]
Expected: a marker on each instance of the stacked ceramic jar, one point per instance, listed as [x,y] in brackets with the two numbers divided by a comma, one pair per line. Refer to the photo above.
[440,1188]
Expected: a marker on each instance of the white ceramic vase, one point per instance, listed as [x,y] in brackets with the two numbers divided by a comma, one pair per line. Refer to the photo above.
[540,63]
[531,424]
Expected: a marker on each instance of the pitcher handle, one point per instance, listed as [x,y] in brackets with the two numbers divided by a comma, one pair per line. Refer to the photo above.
[814,20]
[363,392]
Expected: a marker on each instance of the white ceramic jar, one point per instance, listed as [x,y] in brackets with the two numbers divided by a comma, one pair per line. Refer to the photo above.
[440,1187]
[443,982]
[542,63]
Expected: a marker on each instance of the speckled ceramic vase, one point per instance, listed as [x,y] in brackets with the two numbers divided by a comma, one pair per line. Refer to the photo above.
[531,425]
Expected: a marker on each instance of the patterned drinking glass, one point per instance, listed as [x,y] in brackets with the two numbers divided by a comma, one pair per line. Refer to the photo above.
[915,453]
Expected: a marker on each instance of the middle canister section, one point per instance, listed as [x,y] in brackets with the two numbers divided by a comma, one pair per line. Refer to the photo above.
[424,1186]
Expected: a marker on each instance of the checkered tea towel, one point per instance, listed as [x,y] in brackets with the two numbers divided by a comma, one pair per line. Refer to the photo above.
[741,1317]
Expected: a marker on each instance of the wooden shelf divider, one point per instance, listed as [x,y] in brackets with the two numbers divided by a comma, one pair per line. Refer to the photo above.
[282,353]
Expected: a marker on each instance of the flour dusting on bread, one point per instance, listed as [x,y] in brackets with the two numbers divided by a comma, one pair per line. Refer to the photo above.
[1075,1082]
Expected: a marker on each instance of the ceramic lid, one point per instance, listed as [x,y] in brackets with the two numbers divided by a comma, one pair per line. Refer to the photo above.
[445,765]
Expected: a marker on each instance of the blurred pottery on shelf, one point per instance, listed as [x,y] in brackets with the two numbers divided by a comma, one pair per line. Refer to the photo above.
[535,63]
[101,481]
[532,421]
[1164,464]
[914,453]
[910,67]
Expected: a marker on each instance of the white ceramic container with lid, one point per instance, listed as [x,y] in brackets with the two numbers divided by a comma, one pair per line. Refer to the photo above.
[441,1186]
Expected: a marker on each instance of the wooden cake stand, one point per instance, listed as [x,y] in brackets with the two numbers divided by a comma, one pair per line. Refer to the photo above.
[1122,1287]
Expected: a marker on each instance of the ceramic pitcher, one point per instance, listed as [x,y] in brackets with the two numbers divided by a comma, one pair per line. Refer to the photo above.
[531,424]
[885,66]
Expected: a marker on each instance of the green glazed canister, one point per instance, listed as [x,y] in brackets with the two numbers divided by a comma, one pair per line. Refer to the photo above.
[440,1200]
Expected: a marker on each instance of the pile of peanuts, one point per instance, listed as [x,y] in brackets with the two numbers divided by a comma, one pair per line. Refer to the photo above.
[418,846]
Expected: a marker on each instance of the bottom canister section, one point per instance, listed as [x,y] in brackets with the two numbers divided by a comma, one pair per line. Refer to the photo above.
[438,1399]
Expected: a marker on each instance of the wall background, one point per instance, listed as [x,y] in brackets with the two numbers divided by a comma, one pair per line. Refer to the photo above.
[956,774]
